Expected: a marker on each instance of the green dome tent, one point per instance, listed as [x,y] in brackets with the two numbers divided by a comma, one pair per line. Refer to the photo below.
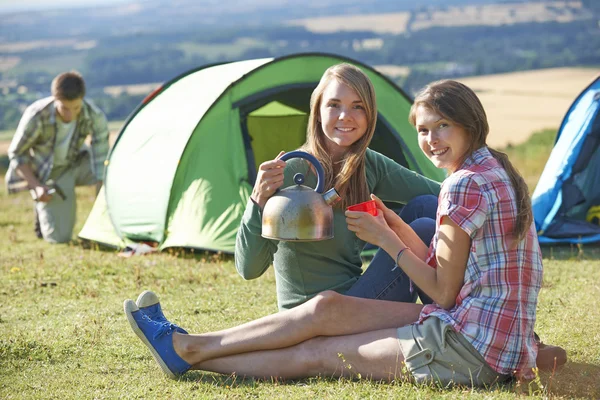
[183,166]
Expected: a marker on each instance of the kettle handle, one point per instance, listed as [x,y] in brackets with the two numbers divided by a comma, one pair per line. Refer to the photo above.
[313,160]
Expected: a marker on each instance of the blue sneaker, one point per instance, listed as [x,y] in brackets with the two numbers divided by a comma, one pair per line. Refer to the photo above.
[149,304]
[158,337]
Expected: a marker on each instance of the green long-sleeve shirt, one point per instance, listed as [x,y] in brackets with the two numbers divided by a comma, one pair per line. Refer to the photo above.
[304,269]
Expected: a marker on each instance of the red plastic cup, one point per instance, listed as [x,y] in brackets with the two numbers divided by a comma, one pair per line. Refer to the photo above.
[367,206]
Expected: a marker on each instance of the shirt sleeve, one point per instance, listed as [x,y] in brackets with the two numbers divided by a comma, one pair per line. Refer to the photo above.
[463,201]
[391,181]
[27,132]
[99,143]
[253,253]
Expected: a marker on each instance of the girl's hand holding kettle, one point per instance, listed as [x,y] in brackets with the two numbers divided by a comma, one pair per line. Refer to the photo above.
[268,180]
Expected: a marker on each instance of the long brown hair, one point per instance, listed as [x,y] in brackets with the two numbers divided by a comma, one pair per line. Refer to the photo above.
[459,104]
[350,181]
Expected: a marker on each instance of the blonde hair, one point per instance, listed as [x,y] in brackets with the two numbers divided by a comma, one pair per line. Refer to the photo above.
[459,104]
[351,180]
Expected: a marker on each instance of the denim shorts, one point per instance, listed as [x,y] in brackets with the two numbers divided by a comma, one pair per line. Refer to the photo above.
[435,353]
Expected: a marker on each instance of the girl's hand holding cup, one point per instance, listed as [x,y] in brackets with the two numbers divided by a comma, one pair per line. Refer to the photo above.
[368,222]
[393,220]
[367,206]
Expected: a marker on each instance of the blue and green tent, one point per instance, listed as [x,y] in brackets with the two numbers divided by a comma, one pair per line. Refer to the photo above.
[566,200]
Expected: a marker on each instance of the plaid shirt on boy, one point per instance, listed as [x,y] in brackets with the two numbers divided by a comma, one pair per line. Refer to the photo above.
[496,307]
[35,138]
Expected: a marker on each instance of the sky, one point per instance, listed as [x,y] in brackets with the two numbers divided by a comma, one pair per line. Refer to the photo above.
[39,5]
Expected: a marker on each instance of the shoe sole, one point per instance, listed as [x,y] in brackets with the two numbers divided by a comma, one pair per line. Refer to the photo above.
[129,307]
[146,299]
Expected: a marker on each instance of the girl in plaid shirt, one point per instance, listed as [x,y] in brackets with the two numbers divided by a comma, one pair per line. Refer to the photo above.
[483,270]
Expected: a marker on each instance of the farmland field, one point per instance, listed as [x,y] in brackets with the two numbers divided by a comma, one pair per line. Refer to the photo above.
[492,15]
[51,65]
[9,62]
[500,14]
[394,23]
[393,71]
[520,103]
[222,50]
[23,46]
[132,90]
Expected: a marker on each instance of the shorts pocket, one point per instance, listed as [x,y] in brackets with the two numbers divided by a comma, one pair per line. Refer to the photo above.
[419,359]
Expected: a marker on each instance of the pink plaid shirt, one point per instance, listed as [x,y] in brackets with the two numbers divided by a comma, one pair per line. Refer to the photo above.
[496,306]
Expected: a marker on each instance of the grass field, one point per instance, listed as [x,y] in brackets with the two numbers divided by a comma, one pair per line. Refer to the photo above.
[63,333]
[539,144]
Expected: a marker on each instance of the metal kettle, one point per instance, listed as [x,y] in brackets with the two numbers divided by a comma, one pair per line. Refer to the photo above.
[300,213]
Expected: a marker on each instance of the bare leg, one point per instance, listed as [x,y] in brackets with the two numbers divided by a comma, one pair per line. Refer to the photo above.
[328,314]
[373,355]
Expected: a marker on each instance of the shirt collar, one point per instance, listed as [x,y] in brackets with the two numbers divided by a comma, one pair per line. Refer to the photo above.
[478,157]
[84,114]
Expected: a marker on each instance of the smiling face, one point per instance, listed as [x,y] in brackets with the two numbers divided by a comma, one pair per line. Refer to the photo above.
[343,117]
[443,141]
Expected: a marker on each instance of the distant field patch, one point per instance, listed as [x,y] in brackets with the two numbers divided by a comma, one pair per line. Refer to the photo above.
[18,47]
[51,65]
[221,50]
[394,23]
[393,71]
[502,14]
[489,14]
[8,62]
[132,90]
[5,135]
[520,103]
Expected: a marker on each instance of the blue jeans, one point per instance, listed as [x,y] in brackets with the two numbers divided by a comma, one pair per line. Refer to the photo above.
[379,281]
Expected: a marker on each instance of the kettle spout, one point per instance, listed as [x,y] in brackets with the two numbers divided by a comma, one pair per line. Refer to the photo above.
[331,197]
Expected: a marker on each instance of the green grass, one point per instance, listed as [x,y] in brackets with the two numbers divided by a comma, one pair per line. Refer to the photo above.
[530,157]
[63,333]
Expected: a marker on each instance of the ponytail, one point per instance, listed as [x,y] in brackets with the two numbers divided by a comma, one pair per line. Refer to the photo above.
[524,213]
